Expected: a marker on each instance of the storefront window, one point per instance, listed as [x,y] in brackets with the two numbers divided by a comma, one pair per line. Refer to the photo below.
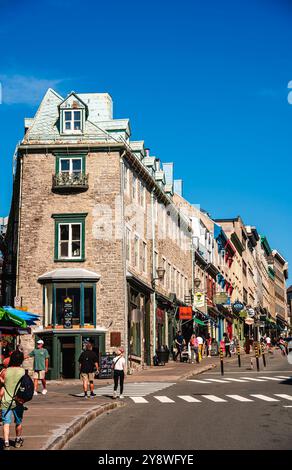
[88,305]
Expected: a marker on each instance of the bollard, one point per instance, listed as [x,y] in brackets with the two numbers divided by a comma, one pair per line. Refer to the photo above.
[256,349]
[238,356]
[221,361]
[264,356]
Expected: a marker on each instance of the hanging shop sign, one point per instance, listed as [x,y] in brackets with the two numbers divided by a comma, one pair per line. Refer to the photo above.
[251,312]
[243,314]
[237,306]
[68,312]
[199,300]
[249,321]
[221,298]
[185,313]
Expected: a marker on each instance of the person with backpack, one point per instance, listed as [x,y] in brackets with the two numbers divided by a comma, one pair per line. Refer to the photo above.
[18,388]
[88,361]
[119,368]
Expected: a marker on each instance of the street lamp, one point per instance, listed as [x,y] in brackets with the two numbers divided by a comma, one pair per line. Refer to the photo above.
[160,272]
[197,282]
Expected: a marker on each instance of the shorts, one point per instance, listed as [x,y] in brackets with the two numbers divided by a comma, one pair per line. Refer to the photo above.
[39,374]
[87,376]
[16,412]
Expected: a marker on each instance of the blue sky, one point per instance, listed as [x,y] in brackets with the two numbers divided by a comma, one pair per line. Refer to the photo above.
[205,84]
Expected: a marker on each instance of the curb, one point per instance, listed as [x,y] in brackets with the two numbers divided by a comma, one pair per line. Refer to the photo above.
[197,372]
[71,429]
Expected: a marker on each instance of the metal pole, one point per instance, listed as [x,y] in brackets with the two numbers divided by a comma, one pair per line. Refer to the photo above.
[238,356]
[221,361]
[257,356]
[264,356]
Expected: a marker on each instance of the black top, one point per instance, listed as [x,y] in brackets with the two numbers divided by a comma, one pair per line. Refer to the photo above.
[88,359]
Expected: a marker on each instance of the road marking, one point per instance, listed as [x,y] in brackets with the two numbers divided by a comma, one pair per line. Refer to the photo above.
[264,397]
[284,377]
[218,380]
[287,406]
[236,380]
[164,399]
[255,380]
[198,381]
[133,389]
[283,395]
[139,400]
[270,378]
[238,398]
[214,398]
[189,399]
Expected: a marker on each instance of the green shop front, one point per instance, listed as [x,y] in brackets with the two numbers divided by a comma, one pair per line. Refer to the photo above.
[69,312]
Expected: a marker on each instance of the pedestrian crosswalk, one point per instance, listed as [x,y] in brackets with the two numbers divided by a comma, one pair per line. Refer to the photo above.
[225,380]
[139,389]
[252,398]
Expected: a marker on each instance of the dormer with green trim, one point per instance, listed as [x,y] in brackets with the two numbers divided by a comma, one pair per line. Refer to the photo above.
[73,114]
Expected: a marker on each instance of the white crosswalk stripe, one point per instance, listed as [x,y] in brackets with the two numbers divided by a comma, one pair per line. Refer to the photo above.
[139,400]
[253,379]
[189,399]
[164,399]
[283,395]
[199,381]
[239,398]
[264,397]
[283,376]
[236,380]
[270,378]
[214,398]
[218,381]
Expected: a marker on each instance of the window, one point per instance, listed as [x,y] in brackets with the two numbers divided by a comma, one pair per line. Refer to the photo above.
[136,252]
[134,188]
[244,267]
[173,280]
[128,244]
[71,166]
[126,179]
[144,257]
[245,296]
[69,237]
[72,121]
[169,277]
[165,274]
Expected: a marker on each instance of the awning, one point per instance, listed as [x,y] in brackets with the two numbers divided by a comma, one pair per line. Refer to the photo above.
[69,275]
[200,322]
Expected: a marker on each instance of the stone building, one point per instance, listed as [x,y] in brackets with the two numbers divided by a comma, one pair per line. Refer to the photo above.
[281,275]
[96,245]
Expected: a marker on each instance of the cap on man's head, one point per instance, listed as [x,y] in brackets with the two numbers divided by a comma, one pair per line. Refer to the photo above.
[40,341]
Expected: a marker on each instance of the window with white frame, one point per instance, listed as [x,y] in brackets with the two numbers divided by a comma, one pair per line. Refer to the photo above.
[173,280]
[70,166]
[165,274]
[143,196]
[72,120]
[126,179]
[169,277]
[69,240]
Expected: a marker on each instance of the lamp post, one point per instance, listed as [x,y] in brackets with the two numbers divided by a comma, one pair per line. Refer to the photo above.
[160,272]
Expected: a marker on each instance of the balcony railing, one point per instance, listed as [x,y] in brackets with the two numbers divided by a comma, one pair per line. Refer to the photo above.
[68,182]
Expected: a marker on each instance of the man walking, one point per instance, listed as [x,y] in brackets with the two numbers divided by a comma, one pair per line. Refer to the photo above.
[88,361]
[9,407]
[200,347]
[40,366]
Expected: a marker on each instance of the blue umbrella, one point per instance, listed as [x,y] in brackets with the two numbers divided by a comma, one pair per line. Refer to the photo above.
[30,318]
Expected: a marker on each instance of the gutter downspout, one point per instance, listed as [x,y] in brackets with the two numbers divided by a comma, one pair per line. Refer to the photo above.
[153,274]
[123,235]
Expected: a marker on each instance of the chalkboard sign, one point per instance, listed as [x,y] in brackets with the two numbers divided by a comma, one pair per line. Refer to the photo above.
[105,366]
[67,312]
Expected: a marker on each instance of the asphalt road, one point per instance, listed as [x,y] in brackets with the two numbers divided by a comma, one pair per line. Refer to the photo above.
[202,415]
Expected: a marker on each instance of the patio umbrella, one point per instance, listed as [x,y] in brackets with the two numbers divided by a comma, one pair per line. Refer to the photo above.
[9,319]
[30,318]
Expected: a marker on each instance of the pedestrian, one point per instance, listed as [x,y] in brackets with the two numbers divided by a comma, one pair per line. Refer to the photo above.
[179,340]
[40,366]
[194,348]
[9,406]
[268,343]
[119,368]
[227,345]
[88,362]
[200,347]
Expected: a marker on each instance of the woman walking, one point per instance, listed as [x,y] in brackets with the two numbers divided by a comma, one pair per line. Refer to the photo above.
[119,368]
[194,348]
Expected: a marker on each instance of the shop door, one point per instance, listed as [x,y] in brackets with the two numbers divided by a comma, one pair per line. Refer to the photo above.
[67,365]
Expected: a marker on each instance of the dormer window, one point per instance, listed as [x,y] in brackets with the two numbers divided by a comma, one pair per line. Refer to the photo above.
[72,120]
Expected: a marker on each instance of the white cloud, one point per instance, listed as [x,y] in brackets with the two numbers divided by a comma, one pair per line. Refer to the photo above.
[21,89]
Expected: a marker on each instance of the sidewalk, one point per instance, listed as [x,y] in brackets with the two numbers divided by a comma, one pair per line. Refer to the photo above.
[52,419]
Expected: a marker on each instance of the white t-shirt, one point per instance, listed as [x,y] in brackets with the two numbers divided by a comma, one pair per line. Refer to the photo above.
[268,340]
[119,363]
[200,340]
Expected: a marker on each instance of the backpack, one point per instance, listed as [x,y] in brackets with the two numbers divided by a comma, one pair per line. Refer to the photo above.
[23,391]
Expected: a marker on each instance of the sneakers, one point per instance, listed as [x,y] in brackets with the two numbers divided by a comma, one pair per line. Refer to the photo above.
[92,395]
[115,394]
[121,397]
[35,393]
[19,442]
[45,391]
[6,445]
[85,395]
